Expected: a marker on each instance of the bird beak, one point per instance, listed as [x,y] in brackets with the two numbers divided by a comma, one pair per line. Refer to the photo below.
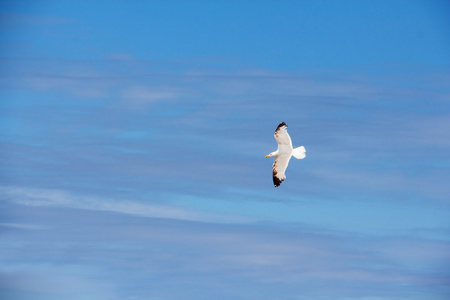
[267,156]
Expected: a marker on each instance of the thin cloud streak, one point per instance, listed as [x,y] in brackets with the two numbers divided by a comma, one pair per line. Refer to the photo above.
[57,198]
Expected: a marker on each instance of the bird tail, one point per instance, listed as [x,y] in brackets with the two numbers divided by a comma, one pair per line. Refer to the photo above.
[299,153]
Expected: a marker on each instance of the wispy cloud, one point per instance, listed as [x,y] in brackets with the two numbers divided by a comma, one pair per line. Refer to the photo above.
[273,258]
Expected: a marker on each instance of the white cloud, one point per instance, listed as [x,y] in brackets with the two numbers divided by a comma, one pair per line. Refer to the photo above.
[32,19]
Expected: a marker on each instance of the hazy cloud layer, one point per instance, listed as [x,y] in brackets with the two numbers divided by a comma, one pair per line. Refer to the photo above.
[130,179]
[110,255]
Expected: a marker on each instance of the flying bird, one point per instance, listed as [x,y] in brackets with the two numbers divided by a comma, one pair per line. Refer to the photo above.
[284,153]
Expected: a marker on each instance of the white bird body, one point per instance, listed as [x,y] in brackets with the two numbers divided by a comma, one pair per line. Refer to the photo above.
[283,154]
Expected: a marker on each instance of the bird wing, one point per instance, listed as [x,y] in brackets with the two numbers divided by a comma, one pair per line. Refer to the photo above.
[279,167]
[282,137]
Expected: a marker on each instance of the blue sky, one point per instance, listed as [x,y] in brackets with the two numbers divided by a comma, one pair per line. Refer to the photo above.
[133,137]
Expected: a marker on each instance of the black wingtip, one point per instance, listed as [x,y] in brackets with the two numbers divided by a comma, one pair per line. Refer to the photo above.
[281,125]
[276,181]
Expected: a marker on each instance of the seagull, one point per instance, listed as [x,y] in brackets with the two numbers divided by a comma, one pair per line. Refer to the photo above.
[284,153]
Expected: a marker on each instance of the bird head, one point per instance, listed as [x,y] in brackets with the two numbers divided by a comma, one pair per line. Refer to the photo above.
[272,154]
